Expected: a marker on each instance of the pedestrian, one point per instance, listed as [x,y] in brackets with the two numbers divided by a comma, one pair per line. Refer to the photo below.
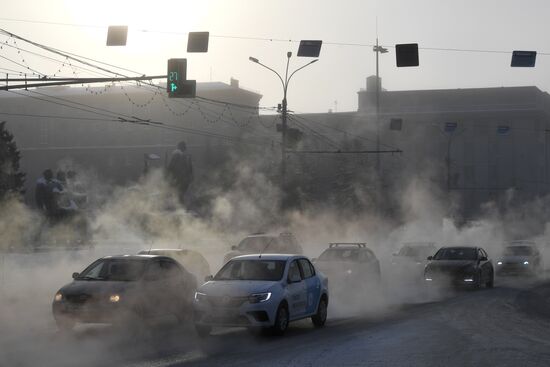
[180,170]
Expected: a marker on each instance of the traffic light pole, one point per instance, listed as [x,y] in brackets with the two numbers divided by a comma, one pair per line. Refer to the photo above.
[41,82]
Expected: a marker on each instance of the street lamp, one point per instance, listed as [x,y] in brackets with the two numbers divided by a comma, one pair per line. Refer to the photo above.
[378,49]
[284,82]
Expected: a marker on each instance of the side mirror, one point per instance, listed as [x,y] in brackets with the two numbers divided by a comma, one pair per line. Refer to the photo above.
[208,278]
[233,247]
[483,258]
[430,257]
[75,275]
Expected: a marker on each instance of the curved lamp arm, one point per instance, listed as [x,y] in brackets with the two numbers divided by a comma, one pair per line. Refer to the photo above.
[300,68]
[256,61]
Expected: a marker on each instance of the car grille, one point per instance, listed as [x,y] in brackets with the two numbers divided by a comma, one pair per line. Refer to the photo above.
[78,298]
[225,301]
[228,320]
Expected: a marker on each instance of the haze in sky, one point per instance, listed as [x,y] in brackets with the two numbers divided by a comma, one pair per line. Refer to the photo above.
[243,28]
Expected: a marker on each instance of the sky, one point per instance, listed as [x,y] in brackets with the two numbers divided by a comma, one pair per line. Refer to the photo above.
[157,32]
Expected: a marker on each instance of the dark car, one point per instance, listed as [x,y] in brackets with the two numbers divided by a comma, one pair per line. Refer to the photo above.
[460,266]
[191,260]
[125,290]
[520,258]
[258,243]
[349,267]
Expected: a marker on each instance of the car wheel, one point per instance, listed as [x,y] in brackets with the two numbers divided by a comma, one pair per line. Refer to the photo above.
[478,280]
[65,324]
[203,330]
[281,321]
[320,317]
[491,282]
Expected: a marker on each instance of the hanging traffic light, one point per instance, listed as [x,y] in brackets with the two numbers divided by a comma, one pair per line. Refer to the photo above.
[177,74]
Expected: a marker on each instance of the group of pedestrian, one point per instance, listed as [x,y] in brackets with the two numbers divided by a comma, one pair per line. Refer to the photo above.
[60,196]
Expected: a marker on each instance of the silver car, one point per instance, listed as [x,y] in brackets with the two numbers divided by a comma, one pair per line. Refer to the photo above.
[262,292]
[520,258]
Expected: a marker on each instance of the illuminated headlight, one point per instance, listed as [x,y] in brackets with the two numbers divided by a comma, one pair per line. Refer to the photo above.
[468,280]
[58,297]
[526,263]
[114,298]
[499,262]
[428,279]
[259,297]
[349,272]
[199,296]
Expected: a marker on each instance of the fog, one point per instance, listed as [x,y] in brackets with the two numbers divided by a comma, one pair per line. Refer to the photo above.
[146,215]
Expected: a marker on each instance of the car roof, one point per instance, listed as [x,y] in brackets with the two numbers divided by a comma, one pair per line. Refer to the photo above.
[457,247]
[268,257]
[521,243]
[142,257]
[419,244]
[262,235]
[157,251]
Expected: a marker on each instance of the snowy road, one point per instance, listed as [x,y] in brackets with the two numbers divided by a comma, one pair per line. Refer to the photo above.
[505,326]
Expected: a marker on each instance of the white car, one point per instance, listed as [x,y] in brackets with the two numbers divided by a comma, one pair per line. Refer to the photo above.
[262,291]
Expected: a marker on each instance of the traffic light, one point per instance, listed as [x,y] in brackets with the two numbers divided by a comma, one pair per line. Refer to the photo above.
[406,55]
[524,59]
[197,41]
[177,74]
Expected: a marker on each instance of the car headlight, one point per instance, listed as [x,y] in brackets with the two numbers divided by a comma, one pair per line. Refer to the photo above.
[58,297]
[114,298]
[259,297]
[199,296]
[499,262]
[526,263]
[349,272]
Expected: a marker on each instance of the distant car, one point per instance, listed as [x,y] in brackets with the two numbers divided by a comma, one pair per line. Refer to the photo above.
[520,258]
[125,290]
[262,292]
[414,252]
[191,260]
[410,260]
[349,267]
[460,266]
[283,243]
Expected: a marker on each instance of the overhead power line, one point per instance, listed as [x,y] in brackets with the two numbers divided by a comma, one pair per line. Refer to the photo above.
[266,39]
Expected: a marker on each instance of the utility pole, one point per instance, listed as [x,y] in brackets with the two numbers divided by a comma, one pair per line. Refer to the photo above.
[378,49]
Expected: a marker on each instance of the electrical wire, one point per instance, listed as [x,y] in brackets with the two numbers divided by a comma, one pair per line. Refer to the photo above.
[153,123]
[342,131]
[271,39]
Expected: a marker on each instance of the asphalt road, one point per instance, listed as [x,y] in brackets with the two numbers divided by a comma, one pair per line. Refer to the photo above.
[505,326]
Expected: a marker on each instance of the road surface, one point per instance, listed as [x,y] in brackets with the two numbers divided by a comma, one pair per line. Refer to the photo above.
[505,326]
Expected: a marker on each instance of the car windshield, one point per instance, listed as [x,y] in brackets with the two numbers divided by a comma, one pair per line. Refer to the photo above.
[519,251]
[114,270]
[257,244]
[456,253]
[340,255]
[416,251]
[269,270]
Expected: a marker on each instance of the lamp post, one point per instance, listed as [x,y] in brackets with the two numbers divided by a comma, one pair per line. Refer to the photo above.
[284,82]
[378,49]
